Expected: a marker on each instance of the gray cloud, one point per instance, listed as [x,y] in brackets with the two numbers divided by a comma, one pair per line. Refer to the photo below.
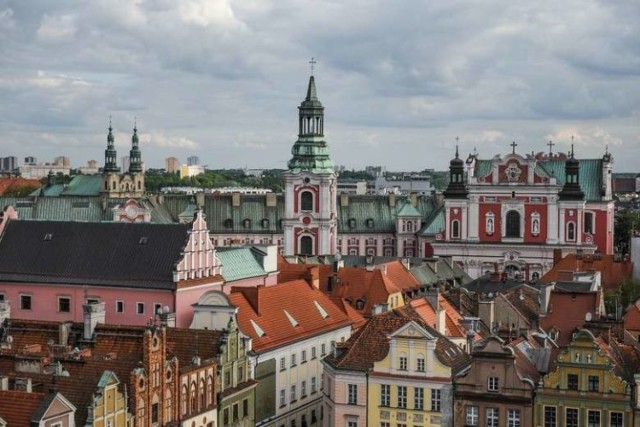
[222,79]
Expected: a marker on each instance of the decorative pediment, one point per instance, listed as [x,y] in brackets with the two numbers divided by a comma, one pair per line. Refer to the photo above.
[411,330]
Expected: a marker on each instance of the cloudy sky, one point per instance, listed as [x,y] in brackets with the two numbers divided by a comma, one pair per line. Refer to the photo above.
[222,79]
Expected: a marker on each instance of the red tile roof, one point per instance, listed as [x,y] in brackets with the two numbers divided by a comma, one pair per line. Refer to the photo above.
[567,312]
[17,407]
[268,306]
[10,184]
[613,273]
[453,318]
[632,317]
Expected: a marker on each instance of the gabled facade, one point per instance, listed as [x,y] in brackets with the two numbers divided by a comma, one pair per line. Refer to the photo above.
[510,213]
[493,392]
[587,387]
[109,406]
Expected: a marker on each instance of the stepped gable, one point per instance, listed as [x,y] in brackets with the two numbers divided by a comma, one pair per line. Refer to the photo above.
[111,254]
[262,313]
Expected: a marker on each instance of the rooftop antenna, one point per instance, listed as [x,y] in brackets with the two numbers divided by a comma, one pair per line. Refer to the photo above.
[312,62]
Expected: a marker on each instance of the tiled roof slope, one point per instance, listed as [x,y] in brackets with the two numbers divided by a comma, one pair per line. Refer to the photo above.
[401,276]
[10,184]
[370,287]
[117,348]
[566,313]
[453,318]
[17,407]
[613,273]
[525,300]
[267,307]
[111,254]
[632,317]
[370,343]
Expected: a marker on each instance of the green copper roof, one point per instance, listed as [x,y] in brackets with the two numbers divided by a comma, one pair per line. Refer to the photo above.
[83,185]
[434,223]
[407,209]
[240,263]
[590,174]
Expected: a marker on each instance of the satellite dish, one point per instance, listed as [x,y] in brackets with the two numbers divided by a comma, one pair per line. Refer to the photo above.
[587,317]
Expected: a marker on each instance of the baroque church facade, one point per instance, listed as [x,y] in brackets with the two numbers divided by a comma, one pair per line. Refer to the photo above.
[514,213]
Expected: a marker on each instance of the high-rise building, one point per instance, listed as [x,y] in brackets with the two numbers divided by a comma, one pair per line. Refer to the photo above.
[8,164]
[62,161]
[193,161]
[30,160]
[172,165]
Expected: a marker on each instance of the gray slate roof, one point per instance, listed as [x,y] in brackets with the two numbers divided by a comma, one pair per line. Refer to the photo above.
[110,254]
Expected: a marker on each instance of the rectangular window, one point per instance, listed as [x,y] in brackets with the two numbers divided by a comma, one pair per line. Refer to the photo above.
[323,349]
[1,296]
[282,399]
[245,408]
[550,416]
[472,415]
[418,398]
[303,357]
[385,424]
[593,418]
[293,393]
[293,360]
[283,364]
[403,363]
[594,383]
[385,395]
[235,412]
[313,385]
[64,304]
[492,384]
[25,302]
[140,307]
[352,394]
[402,396]
[225,416]
[119,306]
[513,418]
[615,419]
[572,382]
[571,417]
[493,417]
[157,308]
[313,352]
[420,364]
[435,400]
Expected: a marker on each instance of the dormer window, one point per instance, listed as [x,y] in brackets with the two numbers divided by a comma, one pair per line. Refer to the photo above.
[228,223]
[246,223]
[265,223]
[352,223]
[369,222]
[47,237]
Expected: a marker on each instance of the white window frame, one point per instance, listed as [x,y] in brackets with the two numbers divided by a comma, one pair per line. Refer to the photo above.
[138,305]
[313,385]
[402,362]
[418,398]
[116,308]
[283,363]
[61,297]
[472,415]
[30,296]
[493,384]
[513,418]
[420,363]
[453,228]
[402,396]
[436,400]
[352,394]
[492,417]
[385,395]
[283,397]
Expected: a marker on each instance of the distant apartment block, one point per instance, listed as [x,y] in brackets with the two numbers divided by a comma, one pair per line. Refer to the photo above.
[190,170]
[8,164]
[193,161]
[92,168]
[404,184]
[42,170]
[172,165]
[62,161]
[30,160]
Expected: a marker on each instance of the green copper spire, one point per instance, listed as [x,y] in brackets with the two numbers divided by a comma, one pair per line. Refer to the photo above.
[310,152]
[135,156]
[110,155]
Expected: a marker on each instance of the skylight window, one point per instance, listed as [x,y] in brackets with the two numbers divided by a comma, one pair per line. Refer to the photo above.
[47,237]
[257,328]
[293,321]
[322,311]
[143,240]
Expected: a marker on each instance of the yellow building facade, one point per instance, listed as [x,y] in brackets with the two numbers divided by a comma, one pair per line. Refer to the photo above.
[109,407]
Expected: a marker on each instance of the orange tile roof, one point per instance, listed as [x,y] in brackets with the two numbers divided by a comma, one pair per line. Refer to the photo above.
[373,287]
[268,306]
[453,318]
[9,184]
[632,317]
[613,273]
[401,276]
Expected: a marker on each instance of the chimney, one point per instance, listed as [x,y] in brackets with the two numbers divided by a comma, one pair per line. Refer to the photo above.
[200,199]
[93,314]
[545,296]
[441,320]
[235,200]
[4,383]
[167,318]
[312,276]
[486,313]
[406,263]
[392,200]
[557,256]
[5,310]
[63,333]
[379,308]
[414,199]
[271,200]
[432,296]
[344,200]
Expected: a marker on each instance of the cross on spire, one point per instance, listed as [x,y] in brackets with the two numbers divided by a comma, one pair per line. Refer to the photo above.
[551,144]
[572,138]
[457,139]
[312,62]
[513,146]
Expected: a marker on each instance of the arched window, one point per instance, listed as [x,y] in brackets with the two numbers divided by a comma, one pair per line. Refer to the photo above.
[203,395]
[455,229]
[168,412]
[209,390]
[183,399]
[306,201]
[513,224]
[571,231]
[306,245]
[192,397]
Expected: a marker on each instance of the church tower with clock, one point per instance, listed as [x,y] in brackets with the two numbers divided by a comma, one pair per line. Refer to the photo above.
[310,217]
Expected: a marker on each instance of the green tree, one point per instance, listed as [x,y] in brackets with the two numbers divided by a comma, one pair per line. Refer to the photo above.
[625,224]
